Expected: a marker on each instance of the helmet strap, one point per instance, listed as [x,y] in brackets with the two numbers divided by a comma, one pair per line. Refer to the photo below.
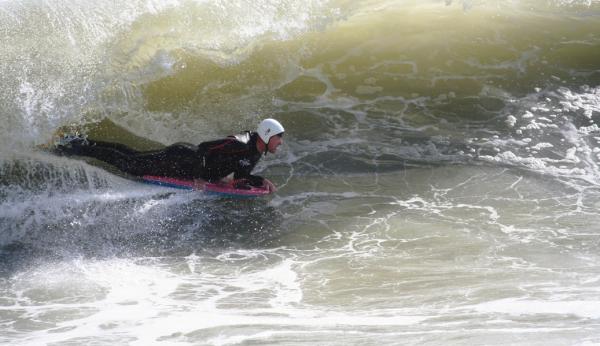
[266,149]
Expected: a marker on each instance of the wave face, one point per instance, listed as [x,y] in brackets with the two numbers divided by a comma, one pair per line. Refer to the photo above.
[439,182]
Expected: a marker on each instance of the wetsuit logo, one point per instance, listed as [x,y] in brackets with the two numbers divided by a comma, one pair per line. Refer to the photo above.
[245,163]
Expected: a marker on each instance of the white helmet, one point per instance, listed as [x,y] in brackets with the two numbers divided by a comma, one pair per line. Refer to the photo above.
[269,128]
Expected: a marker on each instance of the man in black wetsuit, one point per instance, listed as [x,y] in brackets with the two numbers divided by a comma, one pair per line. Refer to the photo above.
[208,161]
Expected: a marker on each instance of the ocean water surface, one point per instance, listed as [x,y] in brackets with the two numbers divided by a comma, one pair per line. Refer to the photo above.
[439,182]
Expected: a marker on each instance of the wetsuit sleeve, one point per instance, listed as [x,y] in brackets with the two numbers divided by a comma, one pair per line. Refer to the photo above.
[237,156]
[244,164]
[244,167]
[255,180]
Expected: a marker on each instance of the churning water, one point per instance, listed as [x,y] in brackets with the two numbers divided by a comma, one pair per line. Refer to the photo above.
[439,182]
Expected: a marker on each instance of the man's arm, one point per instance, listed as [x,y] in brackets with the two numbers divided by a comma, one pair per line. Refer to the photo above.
[232,149]
[255,180]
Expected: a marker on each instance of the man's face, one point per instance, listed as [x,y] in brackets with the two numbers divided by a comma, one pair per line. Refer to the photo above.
[275,142]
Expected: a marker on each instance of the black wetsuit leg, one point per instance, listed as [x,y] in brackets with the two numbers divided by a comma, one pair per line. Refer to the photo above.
[116,154]
[180,160]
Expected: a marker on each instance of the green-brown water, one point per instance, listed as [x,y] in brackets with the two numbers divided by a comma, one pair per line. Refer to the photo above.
[439,182]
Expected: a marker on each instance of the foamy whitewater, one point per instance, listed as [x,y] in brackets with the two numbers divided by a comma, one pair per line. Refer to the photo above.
[439,182]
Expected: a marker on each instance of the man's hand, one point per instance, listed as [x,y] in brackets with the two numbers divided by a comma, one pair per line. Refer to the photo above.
[269,185]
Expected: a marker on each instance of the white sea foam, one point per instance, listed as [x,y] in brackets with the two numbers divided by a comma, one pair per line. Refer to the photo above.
[511,120]
[539,131]
[141,301]
[521,307]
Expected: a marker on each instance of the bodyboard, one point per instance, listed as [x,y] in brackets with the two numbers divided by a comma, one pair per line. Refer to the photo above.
[234,188]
